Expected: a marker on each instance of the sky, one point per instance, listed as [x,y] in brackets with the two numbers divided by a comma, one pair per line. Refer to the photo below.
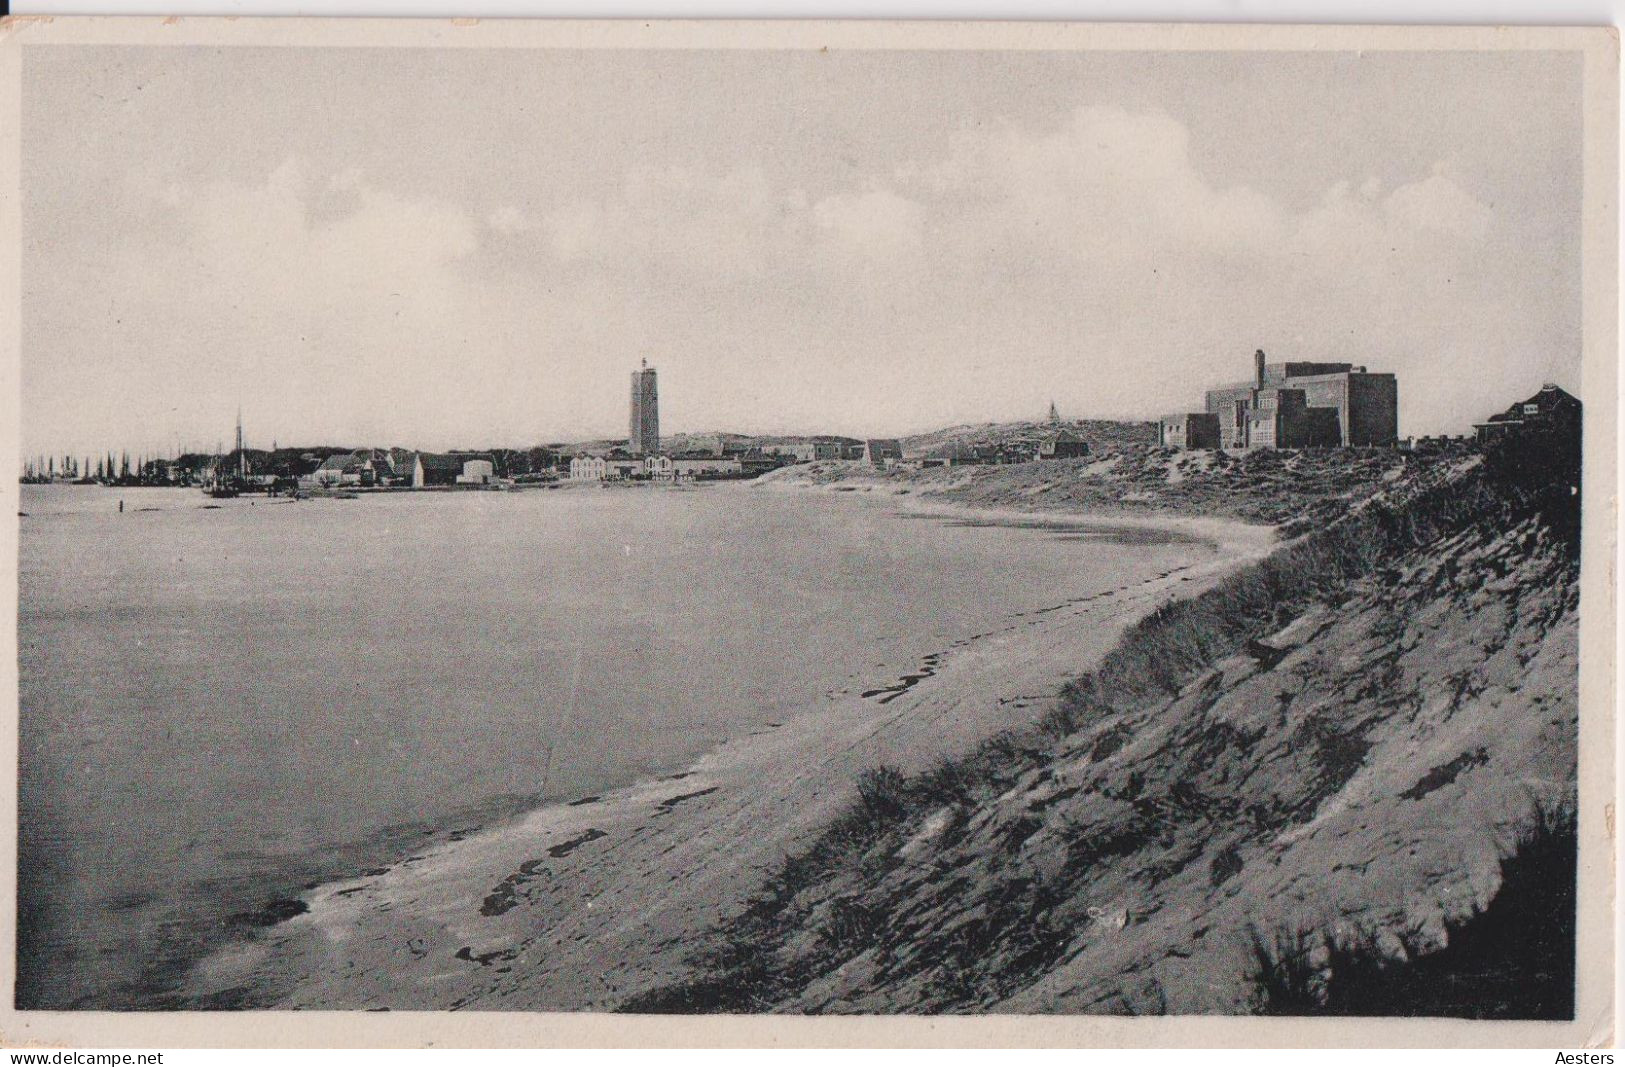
[468,248]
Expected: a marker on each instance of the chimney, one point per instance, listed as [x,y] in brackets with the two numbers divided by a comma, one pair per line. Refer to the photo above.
[1258,368]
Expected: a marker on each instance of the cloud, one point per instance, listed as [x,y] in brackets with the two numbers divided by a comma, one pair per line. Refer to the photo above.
[1092,259]
[509,220]
[298,240]
[1438,203]
[684,223]
[877,231]
[1106,192]
[1107,180]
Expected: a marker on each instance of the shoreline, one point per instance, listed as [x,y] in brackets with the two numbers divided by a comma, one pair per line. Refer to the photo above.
[636,873]
[1226,532]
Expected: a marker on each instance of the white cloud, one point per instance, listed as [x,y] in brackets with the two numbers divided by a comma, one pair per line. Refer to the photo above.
[509,220]
[721,226]
[877,224]
[1438,203]
[1093,260]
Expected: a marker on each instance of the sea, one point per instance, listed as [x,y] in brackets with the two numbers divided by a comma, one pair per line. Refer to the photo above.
[224,703]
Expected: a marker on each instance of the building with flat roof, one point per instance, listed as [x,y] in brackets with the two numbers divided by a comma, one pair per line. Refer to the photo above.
[882,451]
[1296,405]
[1188,429]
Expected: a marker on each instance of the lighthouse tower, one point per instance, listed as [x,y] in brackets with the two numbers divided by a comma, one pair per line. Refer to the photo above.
[644,437]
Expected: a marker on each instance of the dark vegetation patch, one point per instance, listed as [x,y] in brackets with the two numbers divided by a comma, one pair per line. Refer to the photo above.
[1442,775]
[270,913]
[671,802]
[485,959]
[506,897]
[1515,959]
[1225,866]
[560,850]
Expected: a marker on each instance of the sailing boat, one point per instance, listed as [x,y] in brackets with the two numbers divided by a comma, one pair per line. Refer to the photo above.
[223,484]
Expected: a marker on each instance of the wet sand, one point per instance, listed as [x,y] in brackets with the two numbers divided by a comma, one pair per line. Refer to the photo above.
[581,905]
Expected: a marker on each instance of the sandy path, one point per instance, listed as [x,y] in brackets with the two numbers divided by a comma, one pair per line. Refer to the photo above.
[578,906]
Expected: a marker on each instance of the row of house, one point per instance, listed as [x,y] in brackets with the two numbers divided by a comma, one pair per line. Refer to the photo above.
[817,451]
[620,466]
[1062,444]
[366,467]
[727,462]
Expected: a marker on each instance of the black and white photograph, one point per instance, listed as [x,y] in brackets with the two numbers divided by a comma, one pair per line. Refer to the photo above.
[962,521]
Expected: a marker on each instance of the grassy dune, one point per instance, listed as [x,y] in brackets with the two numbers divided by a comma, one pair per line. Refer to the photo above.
[1296,490]
[1338,763]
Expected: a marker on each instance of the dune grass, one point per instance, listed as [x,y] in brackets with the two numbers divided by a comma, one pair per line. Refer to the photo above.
[743,969]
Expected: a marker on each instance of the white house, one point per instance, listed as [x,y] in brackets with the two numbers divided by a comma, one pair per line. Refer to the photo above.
[345,468]
[606,468]
[587,468]
[452,469]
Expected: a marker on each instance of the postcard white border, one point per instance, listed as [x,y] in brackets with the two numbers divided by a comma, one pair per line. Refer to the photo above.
[1595,1010]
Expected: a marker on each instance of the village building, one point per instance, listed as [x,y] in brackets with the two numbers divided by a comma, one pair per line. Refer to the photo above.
[363,467]
[452,468]
[402,464]
[952,454]
[809,451]
[1188,429]
[586,468]
[1063,444]
[1552,412]
[1297,405]
[616,466]
[341,469]
[963,454]
[882,451]
[692,466]
[757,462]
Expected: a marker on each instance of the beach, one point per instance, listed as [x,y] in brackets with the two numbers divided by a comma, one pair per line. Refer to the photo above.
[585,903]
[304,691]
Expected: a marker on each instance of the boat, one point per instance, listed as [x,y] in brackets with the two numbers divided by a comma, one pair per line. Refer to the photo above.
[222,484]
